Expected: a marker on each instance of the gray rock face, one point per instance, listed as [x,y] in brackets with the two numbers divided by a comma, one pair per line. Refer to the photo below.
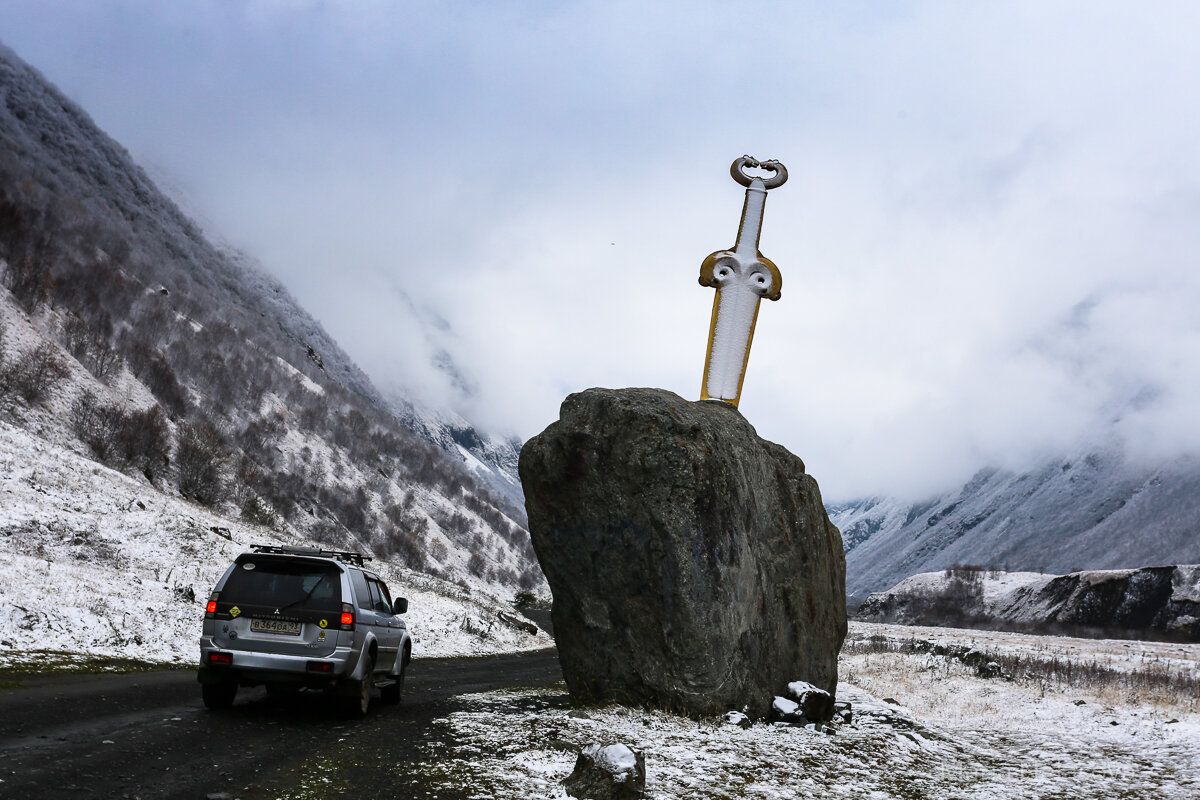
[692,564]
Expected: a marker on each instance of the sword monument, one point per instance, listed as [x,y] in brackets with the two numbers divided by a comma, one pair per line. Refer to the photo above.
[742,277]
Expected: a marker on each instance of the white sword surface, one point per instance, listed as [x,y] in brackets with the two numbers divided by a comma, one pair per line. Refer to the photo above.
[742,277]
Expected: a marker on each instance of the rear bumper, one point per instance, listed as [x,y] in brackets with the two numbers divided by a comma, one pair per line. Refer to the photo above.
[250,668]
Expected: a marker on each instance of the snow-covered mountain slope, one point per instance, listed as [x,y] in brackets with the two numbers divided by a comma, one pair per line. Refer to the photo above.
[58,144]
[96,562]
[1096,511]
[127,336]
[1148,602]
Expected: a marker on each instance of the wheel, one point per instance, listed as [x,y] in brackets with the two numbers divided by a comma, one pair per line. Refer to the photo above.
[390,695]
[356,705]
[219,695]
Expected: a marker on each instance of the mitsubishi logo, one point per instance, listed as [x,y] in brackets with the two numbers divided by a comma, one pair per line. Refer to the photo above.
[277,612]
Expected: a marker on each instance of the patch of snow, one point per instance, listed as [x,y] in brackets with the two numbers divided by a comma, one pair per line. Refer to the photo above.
[997,587]
[801,688]
[784,706]
[615,759]
[305,381]
[737,718]
[472,463]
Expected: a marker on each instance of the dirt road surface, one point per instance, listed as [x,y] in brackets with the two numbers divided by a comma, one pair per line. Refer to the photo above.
[148,736]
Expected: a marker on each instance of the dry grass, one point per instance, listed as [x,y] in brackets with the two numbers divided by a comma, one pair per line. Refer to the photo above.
[882,663]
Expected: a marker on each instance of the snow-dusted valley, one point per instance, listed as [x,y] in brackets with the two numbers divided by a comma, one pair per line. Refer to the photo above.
[96,566]
[164,403]
[1054,717]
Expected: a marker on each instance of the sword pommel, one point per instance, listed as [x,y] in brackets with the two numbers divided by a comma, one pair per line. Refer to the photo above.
[738,171]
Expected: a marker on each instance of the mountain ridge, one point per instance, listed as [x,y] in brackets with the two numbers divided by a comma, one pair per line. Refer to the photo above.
[1093,511]
[1149,602]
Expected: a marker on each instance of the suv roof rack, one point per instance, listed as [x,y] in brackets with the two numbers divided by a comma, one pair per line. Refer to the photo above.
[341,555]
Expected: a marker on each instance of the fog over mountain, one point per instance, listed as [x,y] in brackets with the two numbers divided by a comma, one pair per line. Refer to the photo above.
[987,240]
[127,337]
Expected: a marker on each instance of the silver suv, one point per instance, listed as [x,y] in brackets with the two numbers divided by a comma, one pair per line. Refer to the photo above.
[296,617]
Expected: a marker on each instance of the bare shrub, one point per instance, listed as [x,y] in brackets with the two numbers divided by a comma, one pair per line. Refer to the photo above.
[156,373]
[956,602]
[258,511]
[90,346]
[34,374]
[200,456]
[96,426]
[967,573]
[27,277]
[145,442]
[455,524]
[438,550]
[529,578]
[137,439]
[406,546]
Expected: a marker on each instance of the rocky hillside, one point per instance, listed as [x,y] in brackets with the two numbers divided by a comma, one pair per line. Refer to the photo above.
[1094,511]
[1153,602]
[127,337]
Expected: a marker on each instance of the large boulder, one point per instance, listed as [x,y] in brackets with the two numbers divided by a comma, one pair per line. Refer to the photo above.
[692,564]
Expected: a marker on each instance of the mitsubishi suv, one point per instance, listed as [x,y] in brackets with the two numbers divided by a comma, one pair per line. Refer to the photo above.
[292,618]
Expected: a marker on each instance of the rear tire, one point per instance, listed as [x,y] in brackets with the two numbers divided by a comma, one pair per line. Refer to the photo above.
[218,696]
[390,695]
[356,705]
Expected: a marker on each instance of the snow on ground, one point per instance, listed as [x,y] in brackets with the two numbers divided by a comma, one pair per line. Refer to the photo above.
[94,562]
[923,727]
[1118,654]
[997,587]
[305,381]
[473,463]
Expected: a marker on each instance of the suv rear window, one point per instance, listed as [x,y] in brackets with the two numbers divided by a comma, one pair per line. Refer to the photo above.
[284,584]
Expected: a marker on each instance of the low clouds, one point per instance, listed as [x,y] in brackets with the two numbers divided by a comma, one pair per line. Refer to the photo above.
[988,239]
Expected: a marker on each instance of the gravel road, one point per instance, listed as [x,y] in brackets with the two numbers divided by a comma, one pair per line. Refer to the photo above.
[148,736]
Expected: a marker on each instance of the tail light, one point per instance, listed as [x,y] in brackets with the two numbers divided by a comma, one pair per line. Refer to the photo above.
[320,666]
[347,617]
[220,658]
[211,609]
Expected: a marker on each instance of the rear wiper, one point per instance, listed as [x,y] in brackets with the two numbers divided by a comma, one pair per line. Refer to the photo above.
[307,595]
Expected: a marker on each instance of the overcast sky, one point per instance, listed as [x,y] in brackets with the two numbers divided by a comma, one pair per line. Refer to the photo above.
[988,241]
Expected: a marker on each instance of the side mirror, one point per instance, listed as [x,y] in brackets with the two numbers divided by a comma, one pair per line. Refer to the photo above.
[400,605]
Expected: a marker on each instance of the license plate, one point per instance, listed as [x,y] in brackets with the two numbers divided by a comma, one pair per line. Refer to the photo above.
[275,626]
